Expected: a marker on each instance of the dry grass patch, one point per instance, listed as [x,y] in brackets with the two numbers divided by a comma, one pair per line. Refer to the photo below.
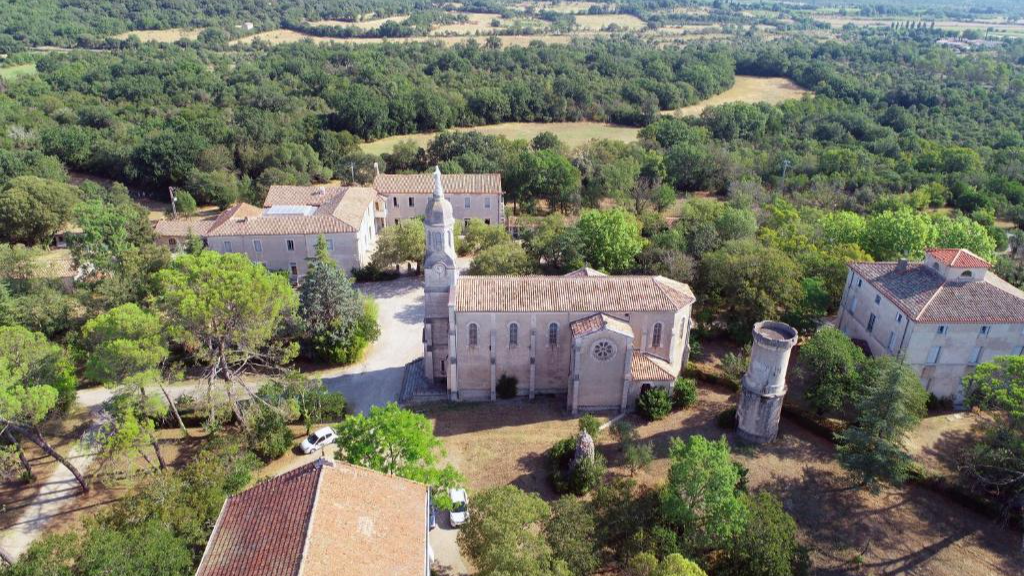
[571,133]
[12,72]
[362,24]
[168,35]
[749,89]
[599,21]
[476,23]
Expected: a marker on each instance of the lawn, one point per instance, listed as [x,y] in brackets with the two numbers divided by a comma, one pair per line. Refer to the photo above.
[572,133]
[850,531]
[12,72]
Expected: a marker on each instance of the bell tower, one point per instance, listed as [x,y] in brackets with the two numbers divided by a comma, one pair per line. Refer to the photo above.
[440,275]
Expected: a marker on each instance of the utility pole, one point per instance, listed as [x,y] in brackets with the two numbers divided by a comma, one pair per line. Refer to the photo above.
[352,170]
[785,168]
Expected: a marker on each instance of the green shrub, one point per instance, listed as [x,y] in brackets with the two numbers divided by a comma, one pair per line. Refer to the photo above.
[654,403]
[684,394]
[936,404]
[268,435]
[373,273]
[186,203]
[727,419]
[507,387]
[578,481]
[696,350]
[590,423]
[734,366]
[624,432]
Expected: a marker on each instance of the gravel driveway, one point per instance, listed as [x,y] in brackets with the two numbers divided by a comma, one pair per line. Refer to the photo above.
[377,380]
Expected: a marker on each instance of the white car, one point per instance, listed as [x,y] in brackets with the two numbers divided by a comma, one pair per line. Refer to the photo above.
[460,506]
[318,440]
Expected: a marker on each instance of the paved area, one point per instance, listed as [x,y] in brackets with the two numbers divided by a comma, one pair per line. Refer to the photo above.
[57,490]
[447,558]
[377,380]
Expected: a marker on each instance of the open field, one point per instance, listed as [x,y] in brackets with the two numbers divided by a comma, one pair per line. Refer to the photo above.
[12,72]
[363,24]
[477,23]
[562,7]
[572,133]
[749,89]
[1000,28]
[599,21]
[168,35]
[282,36]
[905,530]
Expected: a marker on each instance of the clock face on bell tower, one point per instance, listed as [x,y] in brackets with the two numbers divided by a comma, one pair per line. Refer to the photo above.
[438,274]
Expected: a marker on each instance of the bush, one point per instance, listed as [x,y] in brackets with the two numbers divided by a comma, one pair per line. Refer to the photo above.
[578,481]
[685,393]
[936,404]
[186,203]
[268,435]
[589,423]
[373,273]
[507,387]
[727,419]
[624,432]
[654,403]
[734,366]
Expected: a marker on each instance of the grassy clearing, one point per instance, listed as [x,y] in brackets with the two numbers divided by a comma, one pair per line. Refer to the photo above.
[282,36]
[363,24]
[12,72]
[998,28]
[169,35]
[572,133]
[750,89]
[562,7]
[476,24]
[599,21]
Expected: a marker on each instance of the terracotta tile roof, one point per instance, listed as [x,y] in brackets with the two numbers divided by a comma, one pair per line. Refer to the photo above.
[958,258]
[585,271]
[925,296]
[647,367]
[367,524]
[573,294]
[180,226]
[340,213]
[598,322]
[301,195]
[262,531]
[322,519]
[388,184]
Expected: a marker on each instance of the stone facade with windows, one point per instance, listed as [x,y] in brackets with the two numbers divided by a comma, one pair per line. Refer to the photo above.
[943,316]
[599,340]
[469,195]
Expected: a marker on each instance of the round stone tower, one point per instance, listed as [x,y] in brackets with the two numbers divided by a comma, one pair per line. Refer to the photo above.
[764,384]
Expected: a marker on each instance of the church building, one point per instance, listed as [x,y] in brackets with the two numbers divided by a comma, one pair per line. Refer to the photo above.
[599,340]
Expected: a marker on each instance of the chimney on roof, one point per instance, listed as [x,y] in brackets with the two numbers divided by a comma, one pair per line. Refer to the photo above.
[901,266]
[320,190]
[376,169]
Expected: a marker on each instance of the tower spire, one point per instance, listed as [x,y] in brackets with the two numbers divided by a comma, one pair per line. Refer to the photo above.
[438,189]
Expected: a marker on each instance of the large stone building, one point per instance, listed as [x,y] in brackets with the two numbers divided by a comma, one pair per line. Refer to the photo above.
[600,340]
[943,316]
[470,195]
[282,234]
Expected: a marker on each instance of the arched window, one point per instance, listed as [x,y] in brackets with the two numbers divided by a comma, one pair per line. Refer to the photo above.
[513,335]
[966,274]
[656,336]
[553,334]
[472,335]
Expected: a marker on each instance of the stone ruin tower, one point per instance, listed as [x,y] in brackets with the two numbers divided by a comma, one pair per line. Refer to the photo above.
[764,384]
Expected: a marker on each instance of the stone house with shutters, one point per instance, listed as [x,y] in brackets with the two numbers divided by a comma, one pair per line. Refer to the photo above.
[943,316]
[599,340]
[470,195]
[282,235]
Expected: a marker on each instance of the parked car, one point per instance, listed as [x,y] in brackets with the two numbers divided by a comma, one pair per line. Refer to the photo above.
[460,506]
[433,516]
[317,440]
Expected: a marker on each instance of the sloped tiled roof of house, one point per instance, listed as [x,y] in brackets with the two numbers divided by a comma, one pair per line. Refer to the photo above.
[388,184]
[925,296]
[181,226]
[649,368]
[958,258]
[569,294]
[339,213]
[301,195]
[598,322]
[322,519]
